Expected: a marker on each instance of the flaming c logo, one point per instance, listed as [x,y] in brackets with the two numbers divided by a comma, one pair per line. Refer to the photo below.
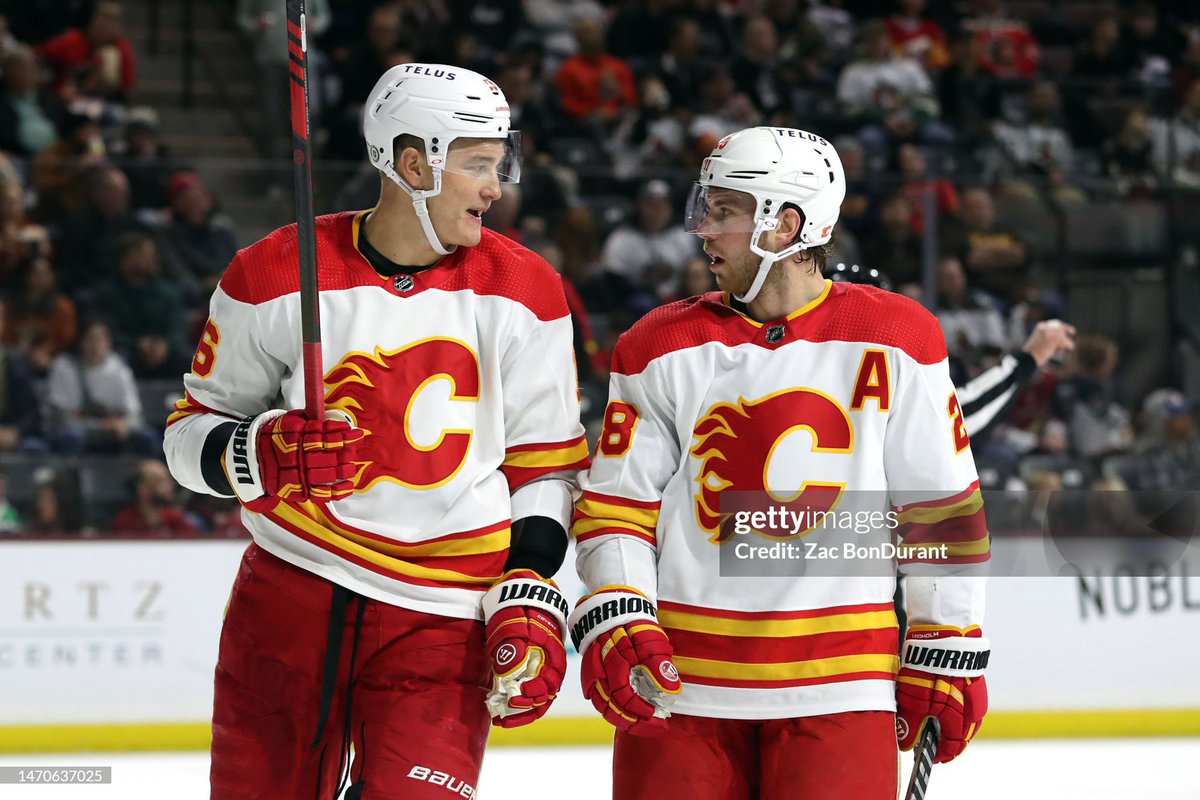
[377,391]
[736,443]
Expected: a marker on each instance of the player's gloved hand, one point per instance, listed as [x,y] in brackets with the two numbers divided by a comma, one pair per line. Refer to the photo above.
[941,675]
[627,669]
[286,455]
[526,619]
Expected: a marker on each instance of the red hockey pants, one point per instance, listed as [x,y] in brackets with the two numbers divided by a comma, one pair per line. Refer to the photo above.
[849,756]
[417,719]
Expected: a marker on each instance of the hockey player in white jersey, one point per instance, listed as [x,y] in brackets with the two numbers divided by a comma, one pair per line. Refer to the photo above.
[802,392]
[397,594]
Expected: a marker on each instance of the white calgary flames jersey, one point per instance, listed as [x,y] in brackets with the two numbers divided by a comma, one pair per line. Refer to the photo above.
[849,394]
[463,382]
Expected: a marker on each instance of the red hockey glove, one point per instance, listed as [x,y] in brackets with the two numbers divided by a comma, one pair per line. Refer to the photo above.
[627,669]
[941,675]
[286,455]
[526,619]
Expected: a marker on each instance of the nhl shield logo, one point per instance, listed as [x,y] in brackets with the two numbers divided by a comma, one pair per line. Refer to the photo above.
[774,334]
[404,283]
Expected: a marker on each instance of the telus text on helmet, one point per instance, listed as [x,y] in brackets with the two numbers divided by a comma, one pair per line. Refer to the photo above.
[792,133]
[417,69]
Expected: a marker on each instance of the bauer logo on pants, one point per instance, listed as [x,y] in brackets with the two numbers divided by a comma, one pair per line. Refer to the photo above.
[454,786]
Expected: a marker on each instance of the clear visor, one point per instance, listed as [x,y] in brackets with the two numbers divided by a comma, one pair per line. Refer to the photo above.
[711,209]
[485,159]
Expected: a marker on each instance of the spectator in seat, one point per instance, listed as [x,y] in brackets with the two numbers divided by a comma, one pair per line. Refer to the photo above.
[889,98]
[756,72]
[970,320]
[154,510]
[87,244]
[1152,46]
[893,241]
[912,34]
[1128,156]
[145,160]
[1103,55]
[96,61]
[30,113]
[55,503]
[1177,141]
[20,239]
[20,410]
[1167,451]
[553,22]
[595,86]
[721,110]
[92,401]
[917,183]
[651,137]
[37,315]
[836,24]
[860,209]
[369,57]
[1098,426]
[358,67]
[1003,45]
[969,95]
[144,310]
[1040,145]
[526,108]
[653,238]
[198,237]
[682,66]
[60,171]
[996,259]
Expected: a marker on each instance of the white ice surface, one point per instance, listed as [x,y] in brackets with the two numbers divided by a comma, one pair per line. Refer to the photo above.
[1114,769]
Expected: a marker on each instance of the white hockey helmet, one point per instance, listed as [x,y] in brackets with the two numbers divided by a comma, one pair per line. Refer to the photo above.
[437,103]
[777,167]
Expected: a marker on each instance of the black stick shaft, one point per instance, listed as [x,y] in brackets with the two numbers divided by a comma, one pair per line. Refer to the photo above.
[923,753]
[310,312]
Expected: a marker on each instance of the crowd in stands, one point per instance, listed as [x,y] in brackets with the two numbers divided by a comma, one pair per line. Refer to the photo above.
[109,249]
[953,119]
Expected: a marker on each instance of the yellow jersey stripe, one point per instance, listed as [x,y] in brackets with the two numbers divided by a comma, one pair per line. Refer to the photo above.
[397,565]
[723,626]
[599,510]
[536,459]
[481,544]
[787,670]
[925,515]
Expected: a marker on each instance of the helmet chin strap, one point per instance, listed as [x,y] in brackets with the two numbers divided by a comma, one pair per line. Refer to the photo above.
[419,196]
[767,259]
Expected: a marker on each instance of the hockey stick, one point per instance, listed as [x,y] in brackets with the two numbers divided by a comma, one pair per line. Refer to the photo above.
[306,238]
[923,752]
